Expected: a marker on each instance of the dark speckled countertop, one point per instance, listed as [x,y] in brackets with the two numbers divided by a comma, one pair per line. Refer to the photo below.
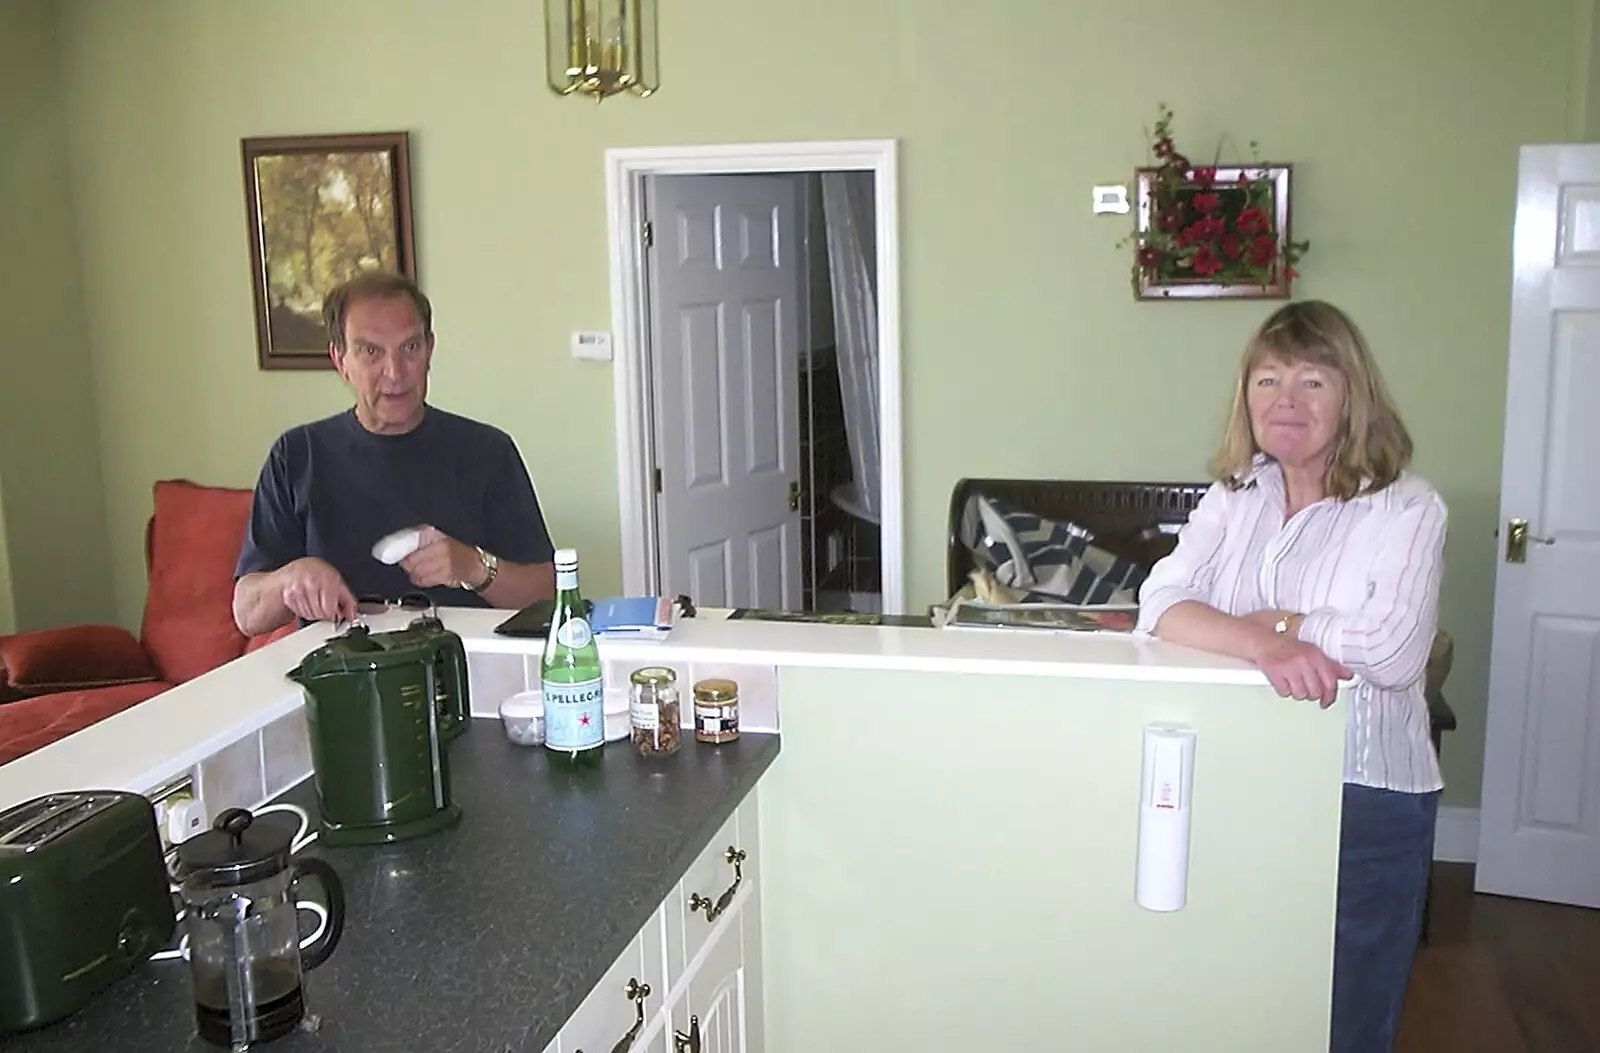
[483,937]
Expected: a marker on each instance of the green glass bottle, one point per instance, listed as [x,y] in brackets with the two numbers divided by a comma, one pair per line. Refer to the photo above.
[570,675]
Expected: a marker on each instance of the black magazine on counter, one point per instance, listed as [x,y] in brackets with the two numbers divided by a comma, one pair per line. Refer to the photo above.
[1055,617]
[906,621]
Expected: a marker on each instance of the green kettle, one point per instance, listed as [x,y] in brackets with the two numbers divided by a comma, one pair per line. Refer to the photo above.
[380,709]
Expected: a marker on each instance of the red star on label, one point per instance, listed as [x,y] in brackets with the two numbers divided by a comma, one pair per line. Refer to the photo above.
[584,720]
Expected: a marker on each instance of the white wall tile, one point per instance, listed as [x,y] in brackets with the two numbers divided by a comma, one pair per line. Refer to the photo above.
[231,777]
[758,692]
[285,752]
[493,678]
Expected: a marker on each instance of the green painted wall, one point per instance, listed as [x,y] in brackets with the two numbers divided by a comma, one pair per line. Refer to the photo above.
[55,521]
[948,863]
[8,614]
[1025,353]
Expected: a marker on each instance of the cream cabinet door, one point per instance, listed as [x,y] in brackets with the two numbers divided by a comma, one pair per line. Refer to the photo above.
[709,876]
[755,1017]
[716,996]
[611,1010]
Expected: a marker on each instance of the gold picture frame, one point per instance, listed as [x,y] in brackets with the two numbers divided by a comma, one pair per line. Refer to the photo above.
[321,209]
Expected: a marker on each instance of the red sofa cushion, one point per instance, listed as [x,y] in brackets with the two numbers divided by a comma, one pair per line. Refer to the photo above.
[194,541]
[33,723]
[75,656]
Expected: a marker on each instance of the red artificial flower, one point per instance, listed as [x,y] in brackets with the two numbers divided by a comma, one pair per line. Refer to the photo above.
[1206,262]
[1203,177]
[1262,249]
[1148,257]
[1163,146]
[1189,235]
[1205,203]
[1291,274]
[1251,221]
[1170,219]
[1231,246]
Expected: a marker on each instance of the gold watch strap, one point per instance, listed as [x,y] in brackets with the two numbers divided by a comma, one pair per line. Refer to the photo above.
[491,568]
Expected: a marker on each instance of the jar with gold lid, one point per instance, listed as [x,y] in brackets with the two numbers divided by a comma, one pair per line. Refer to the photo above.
[716,710]
[653,711]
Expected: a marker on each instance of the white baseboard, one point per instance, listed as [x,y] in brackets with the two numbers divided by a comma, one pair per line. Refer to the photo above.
[1455,836]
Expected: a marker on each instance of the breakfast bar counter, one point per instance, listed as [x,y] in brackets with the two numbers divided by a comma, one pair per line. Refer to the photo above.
[486,936]
[959,806]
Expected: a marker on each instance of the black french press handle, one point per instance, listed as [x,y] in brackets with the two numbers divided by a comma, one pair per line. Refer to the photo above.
[317,952]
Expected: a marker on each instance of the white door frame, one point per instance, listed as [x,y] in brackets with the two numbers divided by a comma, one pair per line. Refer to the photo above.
[625,172]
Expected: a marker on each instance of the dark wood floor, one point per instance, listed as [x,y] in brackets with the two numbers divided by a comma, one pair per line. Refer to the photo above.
[1503,975]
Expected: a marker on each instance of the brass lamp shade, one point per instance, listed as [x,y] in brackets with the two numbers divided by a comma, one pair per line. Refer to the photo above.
[601,47]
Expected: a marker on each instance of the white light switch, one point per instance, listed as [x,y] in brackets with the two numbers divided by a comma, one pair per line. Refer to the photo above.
[1111,199]
[596,346]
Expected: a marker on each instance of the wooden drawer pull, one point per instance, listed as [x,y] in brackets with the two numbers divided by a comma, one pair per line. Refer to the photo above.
[697,902]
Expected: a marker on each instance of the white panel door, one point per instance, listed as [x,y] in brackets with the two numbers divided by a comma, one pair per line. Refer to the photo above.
[725,294]
[1539,834]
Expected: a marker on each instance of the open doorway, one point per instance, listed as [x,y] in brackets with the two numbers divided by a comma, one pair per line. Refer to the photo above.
[755,303]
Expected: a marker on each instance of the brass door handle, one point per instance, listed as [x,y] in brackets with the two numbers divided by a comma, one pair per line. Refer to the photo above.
[735,856]
[636,993]
[1517,538]
[794,497]
[690,1043]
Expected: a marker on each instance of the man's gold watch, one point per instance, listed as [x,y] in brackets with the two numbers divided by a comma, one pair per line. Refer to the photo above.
[491,567]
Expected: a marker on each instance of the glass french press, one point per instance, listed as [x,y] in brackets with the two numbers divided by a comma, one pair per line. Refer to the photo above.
[246,957]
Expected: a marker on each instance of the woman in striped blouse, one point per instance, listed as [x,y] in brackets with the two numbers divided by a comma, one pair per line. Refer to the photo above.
[1317,556]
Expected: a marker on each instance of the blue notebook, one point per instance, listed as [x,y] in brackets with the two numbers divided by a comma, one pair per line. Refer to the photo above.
[643,616]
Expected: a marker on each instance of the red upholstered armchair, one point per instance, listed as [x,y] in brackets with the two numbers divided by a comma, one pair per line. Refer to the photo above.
[54,682]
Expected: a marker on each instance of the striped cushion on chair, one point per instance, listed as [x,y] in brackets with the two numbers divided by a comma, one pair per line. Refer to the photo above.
[1053,560]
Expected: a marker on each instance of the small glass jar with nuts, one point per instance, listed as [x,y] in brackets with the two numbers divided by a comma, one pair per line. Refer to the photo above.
[653,711]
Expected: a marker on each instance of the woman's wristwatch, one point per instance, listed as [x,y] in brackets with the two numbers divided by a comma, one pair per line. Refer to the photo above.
[491,567]
[1287,624]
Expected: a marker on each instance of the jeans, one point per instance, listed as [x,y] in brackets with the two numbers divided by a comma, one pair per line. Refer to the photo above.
[1385,852]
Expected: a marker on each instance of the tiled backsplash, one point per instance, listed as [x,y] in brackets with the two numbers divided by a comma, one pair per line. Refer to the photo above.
[265,763]
[256,768]
[285,752]
[493,678]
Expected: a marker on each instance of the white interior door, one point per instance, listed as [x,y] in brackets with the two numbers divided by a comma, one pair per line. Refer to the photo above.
[725,295]
[1539,834]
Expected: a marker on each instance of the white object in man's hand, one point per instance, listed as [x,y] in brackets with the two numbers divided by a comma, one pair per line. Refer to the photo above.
[397,546]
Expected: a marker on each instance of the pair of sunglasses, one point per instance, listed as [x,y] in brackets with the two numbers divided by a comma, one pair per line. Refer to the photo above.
[415,602]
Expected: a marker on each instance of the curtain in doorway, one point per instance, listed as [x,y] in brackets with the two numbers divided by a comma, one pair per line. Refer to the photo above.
[848,210]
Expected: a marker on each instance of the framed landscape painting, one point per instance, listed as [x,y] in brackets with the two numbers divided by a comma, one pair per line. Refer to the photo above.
[321,209]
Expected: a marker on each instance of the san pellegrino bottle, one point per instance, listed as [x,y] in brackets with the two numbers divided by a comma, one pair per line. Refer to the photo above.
[570,675]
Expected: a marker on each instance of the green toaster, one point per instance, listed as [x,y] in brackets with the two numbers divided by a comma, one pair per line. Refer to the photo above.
[84,899]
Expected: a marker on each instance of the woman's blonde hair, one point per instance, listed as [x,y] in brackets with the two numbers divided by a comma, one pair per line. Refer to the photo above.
[1372,446]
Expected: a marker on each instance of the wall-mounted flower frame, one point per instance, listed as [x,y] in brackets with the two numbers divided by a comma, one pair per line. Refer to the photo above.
[1213,233]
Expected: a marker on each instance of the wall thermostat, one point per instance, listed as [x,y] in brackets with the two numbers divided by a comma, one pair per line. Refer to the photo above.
[1110,199]
[593,346]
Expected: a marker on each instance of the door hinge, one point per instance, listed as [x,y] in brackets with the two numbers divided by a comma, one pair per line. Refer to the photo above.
[658,480]
[647,234]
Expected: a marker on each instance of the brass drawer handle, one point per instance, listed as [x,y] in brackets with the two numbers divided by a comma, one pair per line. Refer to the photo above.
[636,993]
[690,1043]
[735,856]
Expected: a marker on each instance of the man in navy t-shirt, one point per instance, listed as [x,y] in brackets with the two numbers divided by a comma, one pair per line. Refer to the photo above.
[331,489]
